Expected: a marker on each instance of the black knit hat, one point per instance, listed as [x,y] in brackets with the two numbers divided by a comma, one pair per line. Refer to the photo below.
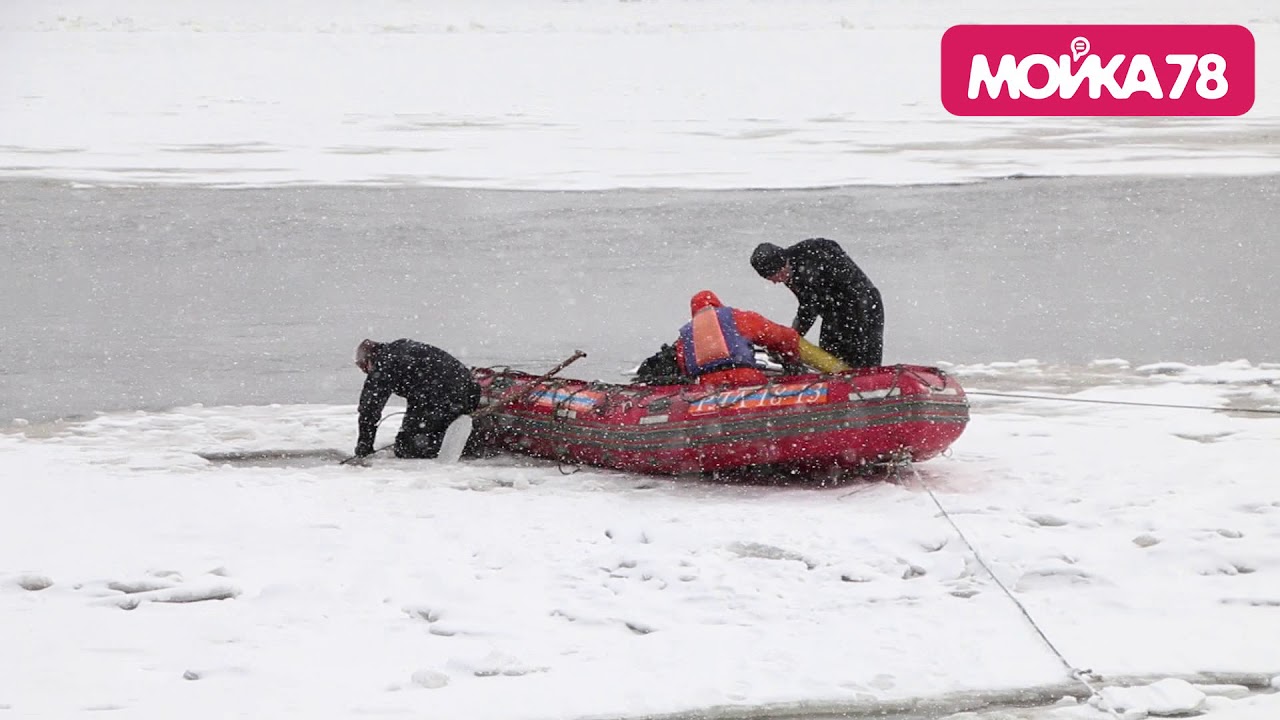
[768,259]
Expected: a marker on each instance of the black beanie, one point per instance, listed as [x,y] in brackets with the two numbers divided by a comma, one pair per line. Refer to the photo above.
[768,259]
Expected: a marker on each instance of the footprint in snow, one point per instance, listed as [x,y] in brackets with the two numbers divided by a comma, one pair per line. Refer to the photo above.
[168,586]
[494,664]
[1053,578]
[33,582]
[768,552]
[913,571]
[934,545]
[429,679]
[1230,567]
[1205,438]
[1047,520]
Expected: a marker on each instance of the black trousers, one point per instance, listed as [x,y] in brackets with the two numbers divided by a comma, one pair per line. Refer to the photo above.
[426,420]
[856,337]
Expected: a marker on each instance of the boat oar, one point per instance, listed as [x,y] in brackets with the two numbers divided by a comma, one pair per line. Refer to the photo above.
[459,431]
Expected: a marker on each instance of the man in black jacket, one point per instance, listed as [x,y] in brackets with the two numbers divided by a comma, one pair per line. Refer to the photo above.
[829,285]
[436,385]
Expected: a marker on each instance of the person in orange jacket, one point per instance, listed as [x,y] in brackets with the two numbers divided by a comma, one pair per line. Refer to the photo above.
[716,345]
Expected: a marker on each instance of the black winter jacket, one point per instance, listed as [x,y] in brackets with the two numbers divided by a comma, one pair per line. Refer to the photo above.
[828,284]
[431,380]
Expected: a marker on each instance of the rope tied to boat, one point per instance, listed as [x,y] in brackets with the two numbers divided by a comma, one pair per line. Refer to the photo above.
[1175,406]
[560,413]
[925,381]
[557,415]
[1086,677]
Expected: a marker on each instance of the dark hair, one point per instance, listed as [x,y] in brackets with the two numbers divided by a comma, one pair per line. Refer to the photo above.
[768,259]
[364,354]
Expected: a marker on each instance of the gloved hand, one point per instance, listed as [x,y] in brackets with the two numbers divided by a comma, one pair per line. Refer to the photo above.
[790,362]
[775,357]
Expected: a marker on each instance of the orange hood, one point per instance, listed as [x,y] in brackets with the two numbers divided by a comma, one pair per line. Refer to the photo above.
[703,299]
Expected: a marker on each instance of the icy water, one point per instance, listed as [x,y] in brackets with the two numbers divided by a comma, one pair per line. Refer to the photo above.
[151,297]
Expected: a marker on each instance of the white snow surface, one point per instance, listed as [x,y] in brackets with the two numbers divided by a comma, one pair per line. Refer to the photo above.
[135,575]
[566,94]
[138,577]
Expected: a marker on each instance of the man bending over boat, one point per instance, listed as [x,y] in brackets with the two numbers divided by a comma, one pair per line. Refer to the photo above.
[716,345]
[436,385]
[829,285]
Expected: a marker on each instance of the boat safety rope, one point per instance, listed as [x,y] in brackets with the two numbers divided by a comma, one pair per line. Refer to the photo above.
[923,380]
[1263,411]
[389,415]
[559,413]
[897,376]
[1085,676]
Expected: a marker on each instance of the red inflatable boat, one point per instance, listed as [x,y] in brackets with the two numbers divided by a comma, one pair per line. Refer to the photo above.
[800,422]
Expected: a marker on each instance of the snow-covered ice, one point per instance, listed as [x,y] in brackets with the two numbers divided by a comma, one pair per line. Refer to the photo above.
[566,95]
[140,576]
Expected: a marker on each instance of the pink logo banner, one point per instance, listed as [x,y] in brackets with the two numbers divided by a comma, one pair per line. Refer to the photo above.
[1098,70]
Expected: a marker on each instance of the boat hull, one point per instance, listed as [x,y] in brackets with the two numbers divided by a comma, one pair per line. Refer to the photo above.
[804,422]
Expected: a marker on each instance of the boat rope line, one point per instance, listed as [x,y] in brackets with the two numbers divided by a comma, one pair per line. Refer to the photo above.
[1262,411]
[1082,675]
[925,381]
[560,413]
